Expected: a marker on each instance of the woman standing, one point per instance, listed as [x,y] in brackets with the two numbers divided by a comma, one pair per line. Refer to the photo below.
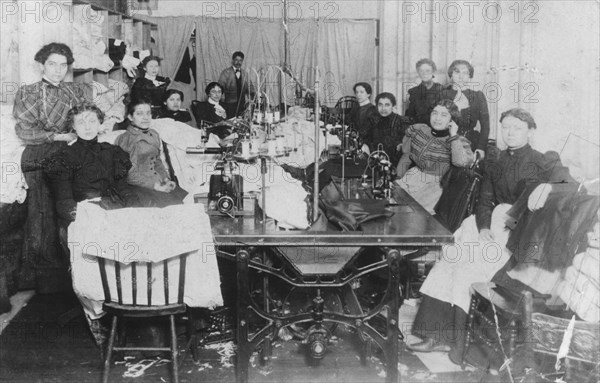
[40,111]
[472,104]
[364,116]
[423,97]
[433,149]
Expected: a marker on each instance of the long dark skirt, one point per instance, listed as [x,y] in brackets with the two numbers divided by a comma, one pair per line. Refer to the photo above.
[44,263]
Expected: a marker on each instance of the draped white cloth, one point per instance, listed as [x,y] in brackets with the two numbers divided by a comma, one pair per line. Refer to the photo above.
[144,235]
[285,195]
[468,260]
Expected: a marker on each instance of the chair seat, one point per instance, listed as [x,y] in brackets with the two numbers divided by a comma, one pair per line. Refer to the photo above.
[143,311]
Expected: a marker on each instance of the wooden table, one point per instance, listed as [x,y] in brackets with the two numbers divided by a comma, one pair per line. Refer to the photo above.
[409,229]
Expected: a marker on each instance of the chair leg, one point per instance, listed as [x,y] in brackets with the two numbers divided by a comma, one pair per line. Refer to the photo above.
[469,329]
[109,351]
[174,358]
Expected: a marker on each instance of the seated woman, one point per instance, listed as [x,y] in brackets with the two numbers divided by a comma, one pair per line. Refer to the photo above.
[144,145]
[423,97]
[40,112]
[88,169]
[389,129]
[172,107]
[521,177]
[364,116]
[150,86]
[471,103]
[432,149]
[211,110]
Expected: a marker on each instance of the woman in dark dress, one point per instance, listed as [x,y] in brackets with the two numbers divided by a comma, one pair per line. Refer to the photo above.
[172,107]
[88,169]
[211,110]
[423,97]
[472,104]
[389,129]
[364,116]
[150,86]
[520,178]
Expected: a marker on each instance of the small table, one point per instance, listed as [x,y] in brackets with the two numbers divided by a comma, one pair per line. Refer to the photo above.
[409,229]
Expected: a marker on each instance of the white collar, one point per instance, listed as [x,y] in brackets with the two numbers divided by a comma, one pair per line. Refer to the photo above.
[234,69]
[367,101]
[149,77]
[213,102]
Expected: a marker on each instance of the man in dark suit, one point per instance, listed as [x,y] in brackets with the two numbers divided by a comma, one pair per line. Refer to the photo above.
[236,86]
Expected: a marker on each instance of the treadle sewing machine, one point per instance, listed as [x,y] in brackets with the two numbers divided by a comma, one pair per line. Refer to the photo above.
[309,281]
[302,283]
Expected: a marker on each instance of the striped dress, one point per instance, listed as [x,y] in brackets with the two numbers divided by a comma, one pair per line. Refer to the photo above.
[432,156]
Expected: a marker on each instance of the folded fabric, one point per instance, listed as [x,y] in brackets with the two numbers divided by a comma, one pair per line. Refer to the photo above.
[588,263]
[103,63]
[13,187]
[581,294]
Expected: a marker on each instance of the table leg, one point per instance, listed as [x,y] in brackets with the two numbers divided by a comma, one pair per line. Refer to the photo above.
[391,345]
[243,294]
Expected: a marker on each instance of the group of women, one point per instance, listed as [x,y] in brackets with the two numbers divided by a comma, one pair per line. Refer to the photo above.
[437,132]
[441,133]
[166,103]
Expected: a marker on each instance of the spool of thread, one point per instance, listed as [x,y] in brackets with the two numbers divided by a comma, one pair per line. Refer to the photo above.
[280,143]
[258,117]
[269,117]
[255,147]
[276,116]
[245,148]
[272,144]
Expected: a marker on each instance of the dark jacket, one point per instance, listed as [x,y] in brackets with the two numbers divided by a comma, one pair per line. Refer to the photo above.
[88,169]
[144,88]
[550,237]
[178,115]
[205,111]
[389,132]
[227,80]
[421,102]
[512,177]
[477,111]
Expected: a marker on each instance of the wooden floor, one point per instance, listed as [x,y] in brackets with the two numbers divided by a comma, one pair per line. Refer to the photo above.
[35,348]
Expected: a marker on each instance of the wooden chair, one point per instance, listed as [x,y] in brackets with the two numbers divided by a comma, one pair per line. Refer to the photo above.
[514,311]
[119,309]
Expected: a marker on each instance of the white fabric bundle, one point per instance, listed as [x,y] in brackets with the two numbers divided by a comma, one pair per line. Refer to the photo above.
[145,235]
[14,187]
